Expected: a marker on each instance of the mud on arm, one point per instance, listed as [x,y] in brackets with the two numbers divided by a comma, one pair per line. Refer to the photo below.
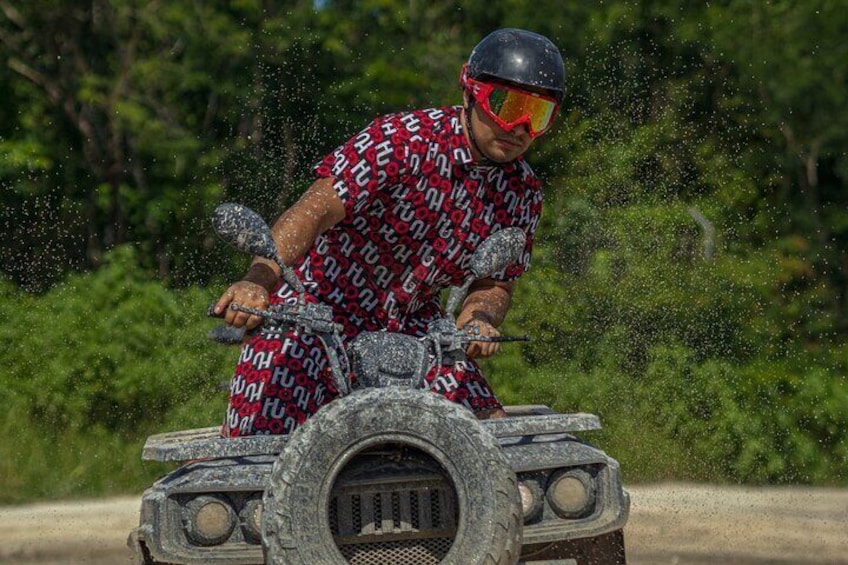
[294,232]
[485,308]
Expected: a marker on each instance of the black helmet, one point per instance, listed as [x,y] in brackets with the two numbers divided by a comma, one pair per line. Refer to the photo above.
[521,57]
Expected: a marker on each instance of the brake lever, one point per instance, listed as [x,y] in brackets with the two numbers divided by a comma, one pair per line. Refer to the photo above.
[501,338]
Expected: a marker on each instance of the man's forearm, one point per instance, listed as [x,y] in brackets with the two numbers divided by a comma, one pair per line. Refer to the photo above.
[293,236]
[487,301]
[296,230]
[262,272]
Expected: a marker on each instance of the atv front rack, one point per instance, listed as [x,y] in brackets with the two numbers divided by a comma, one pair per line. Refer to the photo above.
[207,443]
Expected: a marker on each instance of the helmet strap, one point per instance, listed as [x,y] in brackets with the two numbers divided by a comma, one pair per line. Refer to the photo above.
[468,107]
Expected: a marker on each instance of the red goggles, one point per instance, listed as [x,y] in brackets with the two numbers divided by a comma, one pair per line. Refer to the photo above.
[510,107]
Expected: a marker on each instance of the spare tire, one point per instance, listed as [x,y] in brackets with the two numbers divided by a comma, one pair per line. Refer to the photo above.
[297,503]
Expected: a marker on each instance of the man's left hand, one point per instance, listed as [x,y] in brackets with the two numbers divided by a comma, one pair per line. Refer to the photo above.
[482,349]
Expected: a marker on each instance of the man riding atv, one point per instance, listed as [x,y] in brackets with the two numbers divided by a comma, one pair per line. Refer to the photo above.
[392,219]
[389,472]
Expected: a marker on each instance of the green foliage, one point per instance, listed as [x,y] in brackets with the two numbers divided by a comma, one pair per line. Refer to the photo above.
[94,366]
[690,274]
[711,370]
[681,419]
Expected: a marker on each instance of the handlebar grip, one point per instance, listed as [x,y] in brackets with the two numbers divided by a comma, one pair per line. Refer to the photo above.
[508,338]
[227,335]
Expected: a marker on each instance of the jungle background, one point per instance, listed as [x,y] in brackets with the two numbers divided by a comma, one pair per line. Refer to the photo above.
[690,274]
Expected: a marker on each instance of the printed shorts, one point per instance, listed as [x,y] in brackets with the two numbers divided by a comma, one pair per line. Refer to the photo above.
[280,382]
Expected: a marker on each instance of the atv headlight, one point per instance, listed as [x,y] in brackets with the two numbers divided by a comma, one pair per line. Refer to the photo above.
[571,493]
[209,519]
[531,499]
[251,519]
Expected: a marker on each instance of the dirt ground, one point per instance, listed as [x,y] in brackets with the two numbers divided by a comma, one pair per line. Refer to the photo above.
[674,524]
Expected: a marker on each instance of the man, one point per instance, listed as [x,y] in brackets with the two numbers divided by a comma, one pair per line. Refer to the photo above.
[393,218]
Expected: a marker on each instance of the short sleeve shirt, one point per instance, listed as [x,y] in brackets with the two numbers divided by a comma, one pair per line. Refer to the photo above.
[417,206]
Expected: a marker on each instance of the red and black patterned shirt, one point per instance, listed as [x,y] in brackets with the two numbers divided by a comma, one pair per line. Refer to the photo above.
[417,206]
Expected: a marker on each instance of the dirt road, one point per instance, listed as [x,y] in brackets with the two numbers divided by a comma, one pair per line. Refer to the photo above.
[674,524]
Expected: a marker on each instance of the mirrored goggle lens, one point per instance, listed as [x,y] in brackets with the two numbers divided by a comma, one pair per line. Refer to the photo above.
[511,106]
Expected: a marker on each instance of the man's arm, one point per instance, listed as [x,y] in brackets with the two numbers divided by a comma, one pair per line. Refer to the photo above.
[319,209]
[485,308]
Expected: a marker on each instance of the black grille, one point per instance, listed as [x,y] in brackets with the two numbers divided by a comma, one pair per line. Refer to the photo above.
[403,552]
[391,524]
[388,512]
[393,504]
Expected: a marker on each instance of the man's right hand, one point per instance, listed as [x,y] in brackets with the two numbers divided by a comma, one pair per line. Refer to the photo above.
[243,293]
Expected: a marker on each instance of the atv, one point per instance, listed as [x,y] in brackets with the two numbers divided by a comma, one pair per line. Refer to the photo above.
[388,473]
